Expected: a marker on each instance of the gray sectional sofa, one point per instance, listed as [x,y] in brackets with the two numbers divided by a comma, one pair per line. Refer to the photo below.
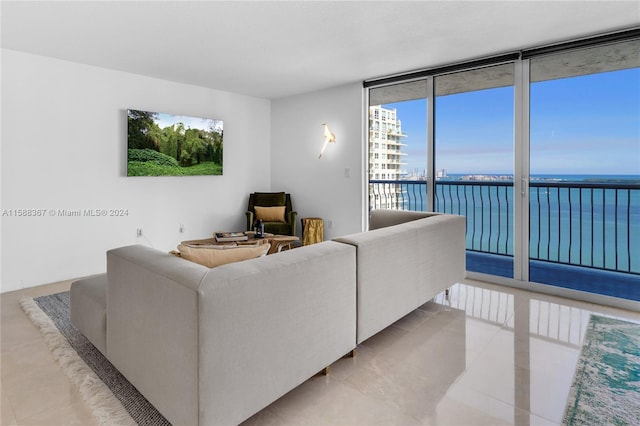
[215,346]
[404,260]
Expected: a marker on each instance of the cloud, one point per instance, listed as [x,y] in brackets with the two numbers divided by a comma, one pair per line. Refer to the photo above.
[166,120]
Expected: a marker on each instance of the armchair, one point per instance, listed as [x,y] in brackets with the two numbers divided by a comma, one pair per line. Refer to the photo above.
[282,225]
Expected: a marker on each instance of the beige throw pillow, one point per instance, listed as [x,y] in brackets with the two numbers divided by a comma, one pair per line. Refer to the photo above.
[212,256]
[270,214]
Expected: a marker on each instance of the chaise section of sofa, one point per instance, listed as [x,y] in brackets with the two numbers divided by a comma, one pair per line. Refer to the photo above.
[88,309]
[404,265]
[215,346]
[152,327]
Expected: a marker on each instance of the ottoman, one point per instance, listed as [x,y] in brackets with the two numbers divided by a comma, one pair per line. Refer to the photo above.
[88,309]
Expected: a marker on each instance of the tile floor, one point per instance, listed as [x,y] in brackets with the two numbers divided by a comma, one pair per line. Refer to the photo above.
[487,355]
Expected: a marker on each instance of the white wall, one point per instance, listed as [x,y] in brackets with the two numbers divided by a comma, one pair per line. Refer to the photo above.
[64,147]
[330,187]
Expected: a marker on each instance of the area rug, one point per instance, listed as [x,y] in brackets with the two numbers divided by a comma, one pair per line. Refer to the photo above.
[606,386]
[111,398]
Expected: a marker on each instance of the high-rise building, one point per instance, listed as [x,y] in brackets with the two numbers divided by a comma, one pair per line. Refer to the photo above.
[385,157]
[385,144]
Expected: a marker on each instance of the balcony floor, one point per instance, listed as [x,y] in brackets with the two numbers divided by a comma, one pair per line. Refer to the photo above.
[591,280]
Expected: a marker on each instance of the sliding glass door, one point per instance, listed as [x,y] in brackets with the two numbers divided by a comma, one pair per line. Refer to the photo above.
[474,140]
[539,151]
[585,170]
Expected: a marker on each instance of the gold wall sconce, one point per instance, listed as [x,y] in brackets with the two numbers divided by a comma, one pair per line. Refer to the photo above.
[328,137]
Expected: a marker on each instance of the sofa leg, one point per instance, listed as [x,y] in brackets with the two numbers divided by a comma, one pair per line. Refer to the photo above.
[324,371]
[351,354]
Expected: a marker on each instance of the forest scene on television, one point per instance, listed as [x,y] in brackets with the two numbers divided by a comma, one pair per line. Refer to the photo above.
[171,145]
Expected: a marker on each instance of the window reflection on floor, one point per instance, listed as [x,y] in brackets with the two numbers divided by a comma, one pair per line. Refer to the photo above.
[521,351]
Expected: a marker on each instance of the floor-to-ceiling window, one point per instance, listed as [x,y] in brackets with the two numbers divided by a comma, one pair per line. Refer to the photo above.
[540,150]
[474,140]
[397,146]
[584,166]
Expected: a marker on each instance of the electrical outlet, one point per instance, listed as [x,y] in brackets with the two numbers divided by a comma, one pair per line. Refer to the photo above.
[139,232]
[330,223]
[181,228]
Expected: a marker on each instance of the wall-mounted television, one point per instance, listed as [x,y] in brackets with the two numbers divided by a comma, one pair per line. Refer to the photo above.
[160,144]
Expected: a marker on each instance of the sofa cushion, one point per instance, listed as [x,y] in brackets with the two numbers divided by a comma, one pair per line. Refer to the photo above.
[212,256]
[270,214]
[269,199]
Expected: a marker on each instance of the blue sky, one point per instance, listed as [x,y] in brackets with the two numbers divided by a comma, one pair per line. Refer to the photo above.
[579,125]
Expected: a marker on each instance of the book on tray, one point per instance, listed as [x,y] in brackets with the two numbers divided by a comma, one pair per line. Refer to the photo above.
[231,236]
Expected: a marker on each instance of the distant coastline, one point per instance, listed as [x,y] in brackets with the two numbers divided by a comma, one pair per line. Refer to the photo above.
[479,177]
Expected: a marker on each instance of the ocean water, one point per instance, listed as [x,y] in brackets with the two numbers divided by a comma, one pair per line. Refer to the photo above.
[589,226]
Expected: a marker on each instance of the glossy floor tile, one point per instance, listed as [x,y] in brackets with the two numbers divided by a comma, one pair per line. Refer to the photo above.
[484,355]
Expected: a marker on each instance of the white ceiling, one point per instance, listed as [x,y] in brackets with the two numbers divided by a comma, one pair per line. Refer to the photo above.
[275,49]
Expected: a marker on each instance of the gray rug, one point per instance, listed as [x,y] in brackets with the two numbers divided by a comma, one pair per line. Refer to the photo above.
[56,307]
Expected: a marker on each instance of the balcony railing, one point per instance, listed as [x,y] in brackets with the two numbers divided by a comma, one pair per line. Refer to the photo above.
[593,225]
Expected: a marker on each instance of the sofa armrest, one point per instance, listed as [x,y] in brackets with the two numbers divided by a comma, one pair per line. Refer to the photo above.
[152,327]
[249,221]
[292,221]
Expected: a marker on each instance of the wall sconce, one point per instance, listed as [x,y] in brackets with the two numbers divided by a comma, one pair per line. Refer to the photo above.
[328,137]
